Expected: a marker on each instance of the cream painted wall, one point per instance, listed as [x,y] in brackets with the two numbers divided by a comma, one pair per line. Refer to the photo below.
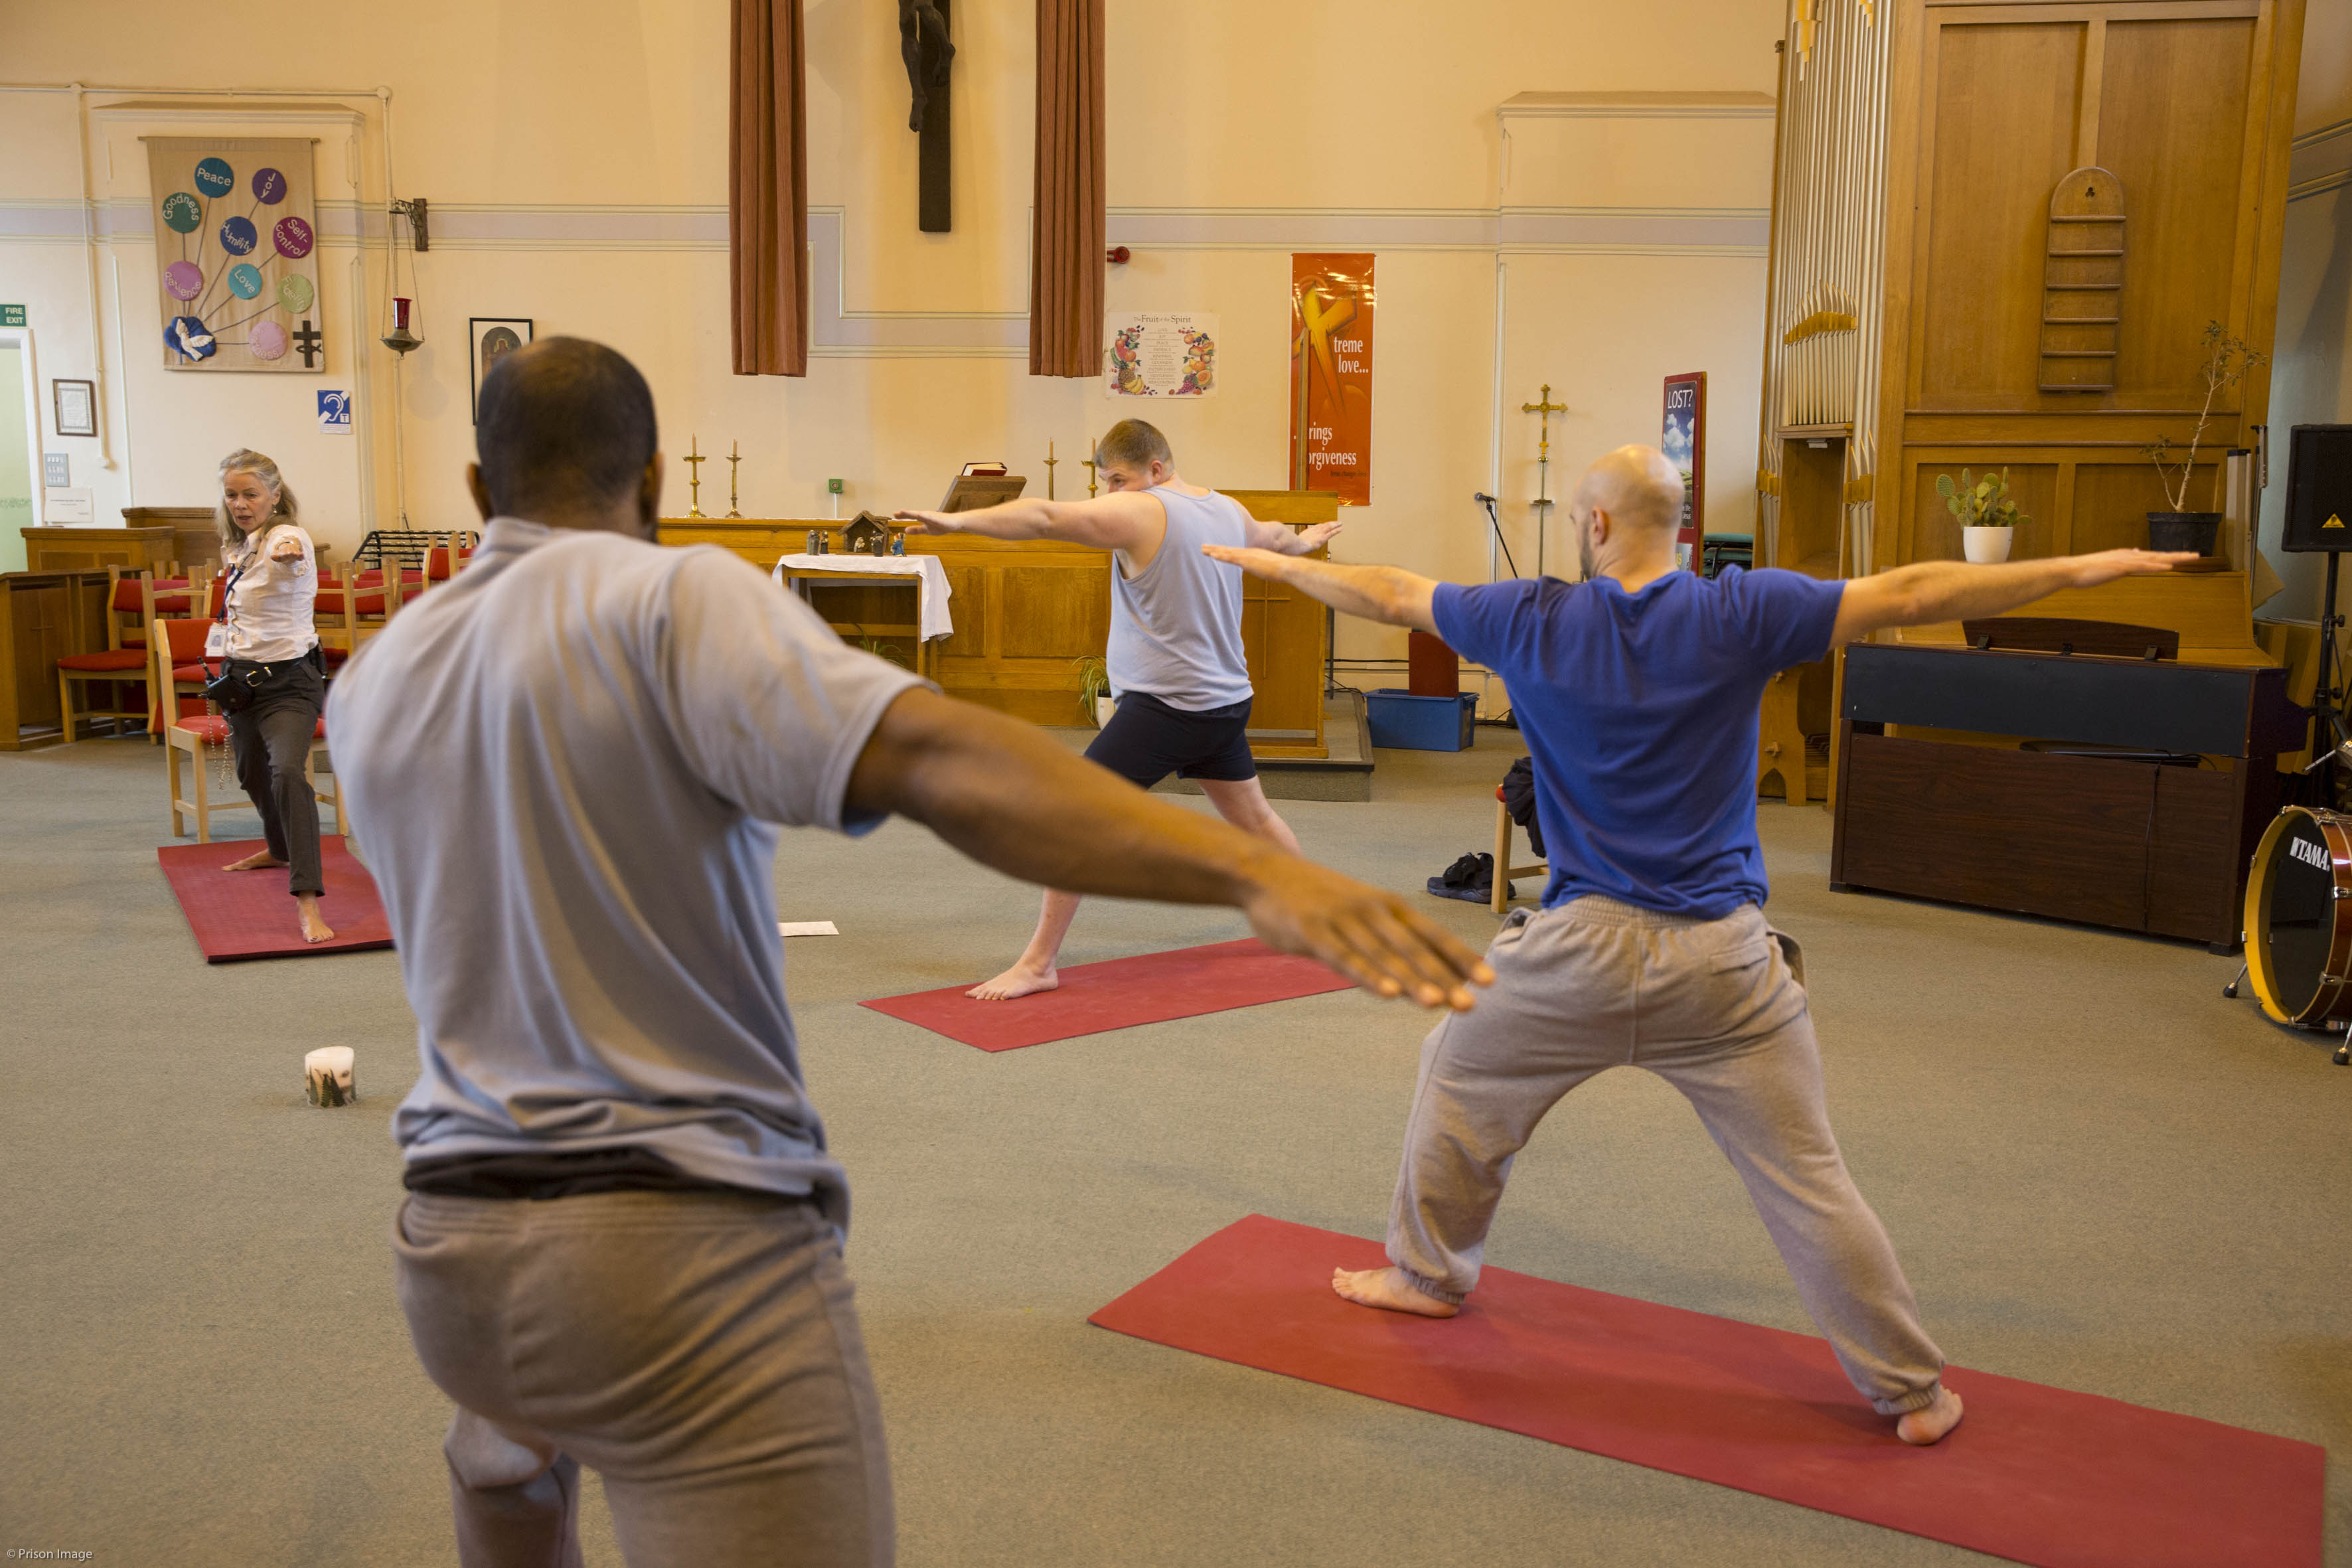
[575,156]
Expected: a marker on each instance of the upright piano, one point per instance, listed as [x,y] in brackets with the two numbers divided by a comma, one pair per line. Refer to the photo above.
[2123,792]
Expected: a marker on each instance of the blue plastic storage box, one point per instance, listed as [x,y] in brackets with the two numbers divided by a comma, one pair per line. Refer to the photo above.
[1410,723]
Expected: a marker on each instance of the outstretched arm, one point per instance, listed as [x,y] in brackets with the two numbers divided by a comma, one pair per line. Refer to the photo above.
[1386,594]
[1124,520]
[1284,541]
[1005,794]
[1928,590]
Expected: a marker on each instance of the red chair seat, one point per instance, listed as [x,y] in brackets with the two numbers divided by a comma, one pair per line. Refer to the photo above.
[106,661]
[335,655]
[189,672]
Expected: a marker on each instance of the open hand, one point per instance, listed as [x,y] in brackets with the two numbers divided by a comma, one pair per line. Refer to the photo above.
[287,550]
[931,521]
[1316,537]
[1372,937]
[2109,564]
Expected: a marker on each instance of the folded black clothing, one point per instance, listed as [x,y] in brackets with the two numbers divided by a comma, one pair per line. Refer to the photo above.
[1519,800]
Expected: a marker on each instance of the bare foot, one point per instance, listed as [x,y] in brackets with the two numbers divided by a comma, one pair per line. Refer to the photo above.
[1390,1291]
[1928,1424]
[254,862]
[1018,980]
[314,926]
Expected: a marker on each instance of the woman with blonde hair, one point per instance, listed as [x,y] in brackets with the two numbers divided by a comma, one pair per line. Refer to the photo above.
[273,685]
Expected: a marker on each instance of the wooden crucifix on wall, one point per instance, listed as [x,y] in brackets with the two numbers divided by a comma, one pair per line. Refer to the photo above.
[924,45]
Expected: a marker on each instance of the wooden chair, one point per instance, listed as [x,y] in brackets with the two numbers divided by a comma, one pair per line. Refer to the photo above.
[192,732]
[354,607]
[1504,869]
[133,603]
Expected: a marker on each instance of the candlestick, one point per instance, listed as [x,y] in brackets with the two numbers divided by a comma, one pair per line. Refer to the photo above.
[694,459]
[1049,471]
[734,456]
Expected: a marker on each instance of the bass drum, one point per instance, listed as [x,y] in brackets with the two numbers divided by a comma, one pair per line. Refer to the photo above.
[2299,918]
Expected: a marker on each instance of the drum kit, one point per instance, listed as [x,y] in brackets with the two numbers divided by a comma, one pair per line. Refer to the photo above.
[2299,924]
[2298,913]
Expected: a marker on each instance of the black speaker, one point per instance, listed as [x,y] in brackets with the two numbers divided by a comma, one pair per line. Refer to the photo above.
[2318,489]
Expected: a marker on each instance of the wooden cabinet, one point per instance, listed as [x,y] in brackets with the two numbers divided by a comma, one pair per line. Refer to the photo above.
[196,537]
[44,615]
[1026,612]
[96,549]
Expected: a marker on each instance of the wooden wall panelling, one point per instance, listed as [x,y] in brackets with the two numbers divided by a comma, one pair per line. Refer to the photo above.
[2189,103]
[2173,123]
[2116,491]
[2004,98]
[2034,481]
[2083,278]
[1026,611]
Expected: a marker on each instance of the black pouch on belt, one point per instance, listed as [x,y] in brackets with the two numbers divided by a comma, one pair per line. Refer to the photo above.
[241,682]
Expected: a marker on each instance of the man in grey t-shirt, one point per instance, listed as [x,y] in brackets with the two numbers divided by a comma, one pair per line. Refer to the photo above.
[621,1241]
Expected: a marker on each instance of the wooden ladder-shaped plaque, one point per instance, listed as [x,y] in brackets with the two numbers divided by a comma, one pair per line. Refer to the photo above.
[2082,283]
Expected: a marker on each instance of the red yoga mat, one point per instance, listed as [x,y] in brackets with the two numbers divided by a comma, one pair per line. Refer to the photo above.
[2035,1474]
[248,914]
[1119,993]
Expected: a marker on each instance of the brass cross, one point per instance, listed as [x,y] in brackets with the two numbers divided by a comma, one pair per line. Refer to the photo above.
[1546,407]
[694,457]
[733,458]
[1049,471]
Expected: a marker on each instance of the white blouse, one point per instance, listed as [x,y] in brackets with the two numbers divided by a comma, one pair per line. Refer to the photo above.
[270,601]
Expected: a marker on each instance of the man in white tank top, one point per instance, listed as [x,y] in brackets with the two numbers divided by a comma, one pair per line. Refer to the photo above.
[1175,652]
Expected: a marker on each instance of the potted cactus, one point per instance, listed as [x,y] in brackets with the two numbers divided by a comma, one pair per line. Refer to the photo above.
[1989,518]
[2227,361]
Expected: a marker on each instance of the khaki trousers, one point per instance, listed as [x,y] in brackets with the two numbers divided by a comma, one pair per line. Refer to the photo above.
[696,1350]
[1717,1009]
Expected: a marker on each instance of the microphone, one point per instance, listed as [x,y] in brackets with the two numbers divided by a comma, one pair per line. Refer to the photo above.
[1481,497]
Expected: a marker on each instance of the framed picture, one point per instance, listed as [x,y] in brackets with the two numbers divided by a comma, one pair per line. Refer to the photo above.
[1683,441]
[493,338]
[76,406]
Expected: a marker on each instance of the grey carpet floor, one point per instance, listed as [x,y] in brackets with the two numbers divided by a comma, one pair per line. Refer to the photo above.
[2099,1174]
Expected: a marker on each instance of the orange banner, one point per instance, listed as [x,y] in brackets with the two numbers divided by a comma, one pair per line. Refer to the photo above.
[1331,376]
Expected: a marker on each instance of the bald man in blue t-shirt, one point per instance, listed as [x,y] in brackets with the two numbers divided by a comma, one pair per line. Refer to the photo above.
[1637,691]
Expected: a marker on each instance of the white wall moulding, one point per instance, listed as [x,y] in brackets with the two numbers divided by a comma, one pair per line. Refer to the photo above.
[2321,161]
[1638,106]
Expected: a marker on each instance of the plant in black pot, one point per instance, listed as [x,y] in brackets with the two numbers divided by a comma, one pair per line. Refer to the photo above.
[2227,362]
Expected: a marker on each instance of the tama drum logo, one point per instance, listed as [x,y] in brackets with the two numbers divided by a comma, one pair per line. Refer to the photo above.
[2310,854]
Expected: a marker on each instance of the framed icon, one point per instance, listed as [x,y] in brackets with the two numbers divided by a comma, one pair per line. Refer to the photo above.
[493,338]
[76,406]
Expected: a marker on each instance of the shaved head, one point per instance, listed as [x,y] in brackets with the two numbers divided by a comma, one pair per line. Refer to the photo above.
[1636,486]
[1641,494]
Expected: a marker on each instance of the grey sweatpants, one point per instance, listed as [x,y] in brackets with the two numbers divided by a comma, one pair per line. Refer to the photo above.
[1717,1009]
[696,1350]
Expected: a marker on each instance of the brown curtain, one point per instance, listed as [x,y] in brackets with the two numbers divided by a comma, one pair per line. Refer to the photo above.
[1065,269]
[767,189]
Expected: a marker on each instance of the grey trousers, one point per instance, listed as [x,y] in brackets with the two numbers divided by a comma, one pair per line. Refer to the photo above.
[1717,1009]
[699,1350]
[271,741]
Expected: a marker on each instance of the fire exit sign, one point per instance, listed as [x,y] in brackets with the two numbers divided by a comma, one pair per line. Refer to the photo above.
[12,315]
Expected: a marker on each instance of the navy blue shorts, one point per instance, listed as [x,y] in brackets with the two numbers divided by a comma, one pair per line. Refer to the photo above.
[1147,739]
